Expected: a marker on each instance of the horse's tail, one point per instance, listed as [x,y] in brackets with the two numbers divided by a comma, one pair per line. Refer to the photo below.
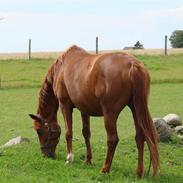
[140,84]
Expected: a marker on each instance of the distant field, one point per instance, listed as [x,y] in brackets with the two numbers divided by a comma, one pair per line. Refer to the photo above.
[22,163]
[5,56]
[25,73]
[16,56]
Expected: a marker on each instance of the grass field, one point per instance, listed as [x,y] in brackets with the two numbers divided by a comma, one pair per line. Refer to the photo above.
[23,163]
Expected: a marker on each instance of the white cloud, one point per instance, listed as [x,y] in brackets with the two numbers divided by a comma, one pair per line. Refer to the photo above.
[174,12]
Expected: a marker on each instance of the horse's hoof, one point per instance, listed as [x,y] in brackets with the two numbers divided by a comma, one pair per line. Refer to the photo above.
[67,162]
[88,162]
[69,159]
[105,170]
[140,173]
[155,174]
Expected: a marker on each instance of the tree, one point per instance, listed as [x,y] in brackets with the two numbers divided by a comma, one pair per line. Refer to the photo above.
[176,39]
[138,45]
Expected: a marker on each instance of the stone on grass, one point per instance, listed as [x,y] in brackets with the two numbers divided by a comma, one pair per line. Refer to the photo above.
[163,129]
[15,141]
[172,120]
[179,130]
[180,137]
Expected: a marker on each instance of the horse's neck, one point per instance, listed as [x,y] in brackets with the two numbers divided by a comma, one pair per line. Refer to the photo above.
[48,103]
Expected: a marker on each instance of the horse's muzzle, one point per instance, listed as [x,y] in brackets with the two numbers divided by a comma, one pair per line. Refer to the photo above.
[50,155]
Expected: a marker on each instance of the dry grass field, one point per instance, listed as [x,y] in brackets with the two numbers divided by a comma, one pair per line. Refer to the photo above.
[5,56]
[24,55]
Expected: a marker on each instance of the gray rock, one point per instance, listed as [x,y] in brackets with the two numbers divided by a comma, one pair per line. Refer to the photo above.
[173,120]
[14,141]
[179,130]
[180,137]
[163,129]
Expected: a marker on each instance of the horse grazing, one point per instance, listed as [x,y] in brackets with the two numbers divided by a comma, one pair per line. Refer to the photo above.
[97,85]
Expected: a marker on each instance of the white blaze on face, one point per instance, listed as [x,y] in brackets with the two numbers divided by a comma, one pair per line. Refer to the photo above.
[70,158]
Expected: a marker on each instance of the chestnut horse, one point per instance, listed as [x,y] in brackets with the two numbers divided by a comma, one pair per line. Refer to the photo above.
[97,85]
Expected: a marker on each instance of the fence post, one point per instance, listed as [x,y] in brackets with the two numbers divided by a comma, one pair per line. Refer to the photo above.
[96,45]
[29,49]
[165,45]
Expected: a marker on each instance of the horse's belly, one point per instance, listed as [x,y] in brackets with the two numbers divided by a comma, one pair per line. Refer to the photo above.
[84,99]
[89,111]
[88,106]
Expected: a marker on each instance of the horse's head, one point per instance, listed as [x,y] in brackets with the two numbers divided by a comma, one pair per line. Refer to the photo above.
[48,134]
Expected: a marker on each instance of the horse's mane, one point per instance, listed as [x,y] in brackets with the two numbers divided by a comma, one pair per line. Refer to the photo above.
[46,95]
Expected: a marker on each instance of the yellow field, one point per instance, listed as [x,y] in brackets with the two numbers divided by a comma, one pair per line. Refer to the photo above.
[5,56]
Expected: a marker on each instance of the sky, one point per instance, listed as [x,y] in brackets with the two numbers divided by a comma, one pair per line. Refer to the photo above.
[54,25]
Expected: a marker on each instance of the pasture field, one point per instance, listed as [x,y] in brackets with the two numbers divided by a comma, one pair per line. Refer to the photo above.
[23,163]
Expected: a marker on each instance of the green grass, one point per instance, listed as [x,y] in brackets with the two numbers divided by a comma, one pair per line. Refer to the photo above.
[24,163]
[164,69]
[23,73]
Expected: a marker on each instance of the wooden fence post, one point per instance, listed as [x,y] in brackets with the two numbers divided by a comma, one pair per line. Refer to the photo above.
[165,44]
[96,45]
[29,49]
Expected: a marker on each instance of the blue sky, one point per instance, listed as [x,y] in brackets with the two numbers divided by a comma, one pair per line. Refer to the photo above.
[54,25]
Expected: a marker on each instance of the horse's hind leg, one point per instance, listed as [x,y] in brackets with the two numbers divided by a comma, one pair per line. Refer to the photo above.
[140,145]
[139,138]
[67,114]
[87,134]
[112,138]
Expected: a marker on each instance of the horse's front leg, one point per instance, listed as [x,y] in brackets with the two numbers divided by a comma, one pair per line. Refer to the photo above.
[112,139]
[87,134]
[67,114]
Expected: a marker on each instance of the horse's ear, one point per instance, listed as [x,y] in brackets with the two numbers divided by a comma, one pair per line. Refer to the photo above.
[36,117]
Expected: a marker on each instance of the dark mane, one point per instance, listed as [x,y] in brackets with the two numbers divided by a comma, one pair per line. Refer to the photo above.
[46,95]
